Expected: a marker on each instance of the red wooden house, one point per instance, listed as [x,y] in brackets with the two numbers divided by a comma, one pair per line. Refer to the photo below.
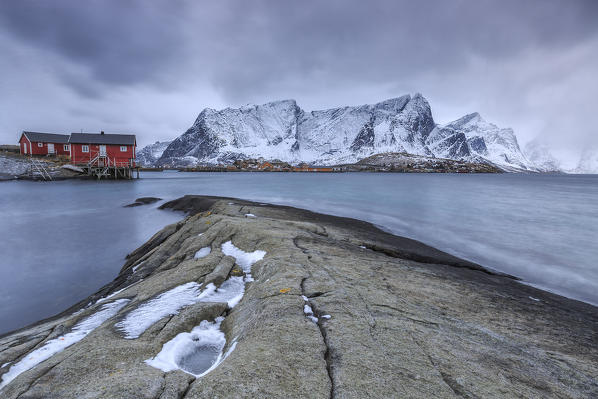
[34,143]
[101,149]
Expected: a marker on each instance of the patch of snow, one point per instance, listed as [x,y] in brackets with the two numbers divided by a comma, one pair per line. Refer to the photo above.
[203,252]
[56,345]
[172,301]
[244,259]
[250,215]
[73,168]
[5,364]
[197,352]
[110,296]
[137,267]
[307,310]
[231,292]
[200,234]
[165,304]
[534,299]
[326,316]
[361,246]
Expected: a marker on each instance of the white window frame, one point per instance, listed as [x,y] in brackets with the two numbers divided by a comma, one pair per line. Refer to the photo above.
[40,144]
[84,148]
[67,147]
[123,148]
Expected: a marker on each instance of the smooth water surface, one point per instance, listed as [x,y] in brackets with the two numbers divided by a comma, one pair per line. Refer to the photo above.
[61,241]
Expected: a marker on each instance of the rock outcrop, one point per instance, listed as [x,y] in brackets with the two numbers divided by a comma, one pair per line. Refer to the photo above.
[295,304]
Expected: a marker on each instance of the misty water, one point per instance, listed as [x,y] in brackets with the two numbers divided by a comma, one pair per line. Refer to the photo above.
[61,241]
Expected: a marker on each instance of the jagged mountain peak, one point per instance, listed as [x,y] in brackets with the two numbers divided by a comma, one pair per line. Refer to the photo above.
[470,119]
[282,130]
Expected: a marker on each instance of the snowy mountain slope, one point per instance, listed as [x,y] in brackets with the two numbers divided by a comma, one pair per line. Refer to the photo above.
[471,138]
[282,130]
[539,154]
[588,163]
[149,154]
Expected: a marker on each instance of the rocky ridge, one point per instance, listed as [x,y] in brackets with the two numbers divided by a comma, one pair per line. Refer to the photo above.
[323,307]
[149,154]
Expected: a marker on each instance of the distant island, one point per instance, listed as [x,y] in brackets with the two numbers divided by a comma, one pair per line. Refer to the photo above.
[283,132]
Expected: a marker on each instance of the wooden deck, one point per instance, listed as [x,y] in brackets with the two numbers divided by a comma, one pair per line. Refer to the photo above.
[104,167]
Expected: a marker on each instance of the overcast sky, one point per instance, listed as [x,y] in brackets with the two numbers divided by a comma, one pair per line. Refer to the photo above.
[149,67]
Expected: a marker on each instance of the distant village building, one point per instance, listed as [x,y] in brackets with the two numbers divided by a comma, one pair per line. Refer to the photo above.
[34,143]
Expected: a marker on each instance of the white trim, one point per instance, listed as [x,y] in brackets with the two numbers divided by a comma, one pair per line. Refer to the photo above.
[125,148]
[30,146]
[40,144]
[66,147]
[84,148]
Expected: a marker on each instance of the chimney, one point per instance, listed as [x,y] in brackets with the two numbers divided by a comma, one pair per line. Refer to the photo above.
[102,132]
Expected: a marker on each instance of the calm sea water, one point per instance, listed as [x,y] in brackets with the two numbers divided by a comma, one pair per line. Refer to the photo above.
[61,241]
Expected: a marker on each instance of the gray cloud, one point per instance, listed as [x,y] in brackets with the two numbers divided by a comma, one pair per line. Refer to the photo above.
[150,67]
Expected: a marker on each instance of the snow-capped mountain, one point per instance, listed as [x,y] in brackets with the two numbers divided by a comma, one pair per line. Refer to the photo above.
[540,155]
[282,130]
[588,163]
[472,138]
[149,154]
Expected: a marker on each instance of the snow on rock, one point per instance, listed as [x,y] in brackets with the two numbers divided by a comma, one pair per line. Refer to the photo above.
[230,291]
[53,346]
[73,168]
[172,301]
[202,253]
[250,215]
[12,165]
[282,130]
[165,304]
[149,154]
[197,352]
[308,311]
[244,259]
[104,299]
[471,138]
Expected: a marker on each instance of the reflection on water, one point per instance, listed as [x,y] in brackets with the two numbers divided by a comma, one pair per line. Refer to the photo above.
[61,241]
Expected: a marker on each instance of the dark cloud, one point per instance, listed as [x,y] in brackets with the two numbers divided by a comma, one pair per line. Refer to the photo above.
[136,57]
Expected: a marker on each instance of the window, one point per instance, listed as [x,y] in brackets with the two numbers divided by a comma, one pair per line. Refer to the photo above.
[123,148]
[85,148]
[67,147]
[40,144]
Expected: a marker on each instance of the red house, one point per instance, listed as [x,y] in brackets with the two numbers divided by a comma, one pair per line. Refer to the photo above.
[103,149]
[33,143]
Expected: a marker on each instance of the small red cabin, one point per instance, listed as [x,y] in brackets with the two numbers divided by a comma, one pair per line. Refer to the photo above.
[103,149]
[33,143]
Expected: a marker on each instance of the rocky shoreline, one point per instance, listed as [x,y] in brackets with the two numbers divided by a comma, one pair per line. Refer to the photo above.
[244,299]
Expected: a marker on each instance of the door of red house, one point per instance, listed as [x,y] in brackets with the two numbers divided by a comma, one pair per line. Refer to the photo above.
[102,150]
[50,148]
